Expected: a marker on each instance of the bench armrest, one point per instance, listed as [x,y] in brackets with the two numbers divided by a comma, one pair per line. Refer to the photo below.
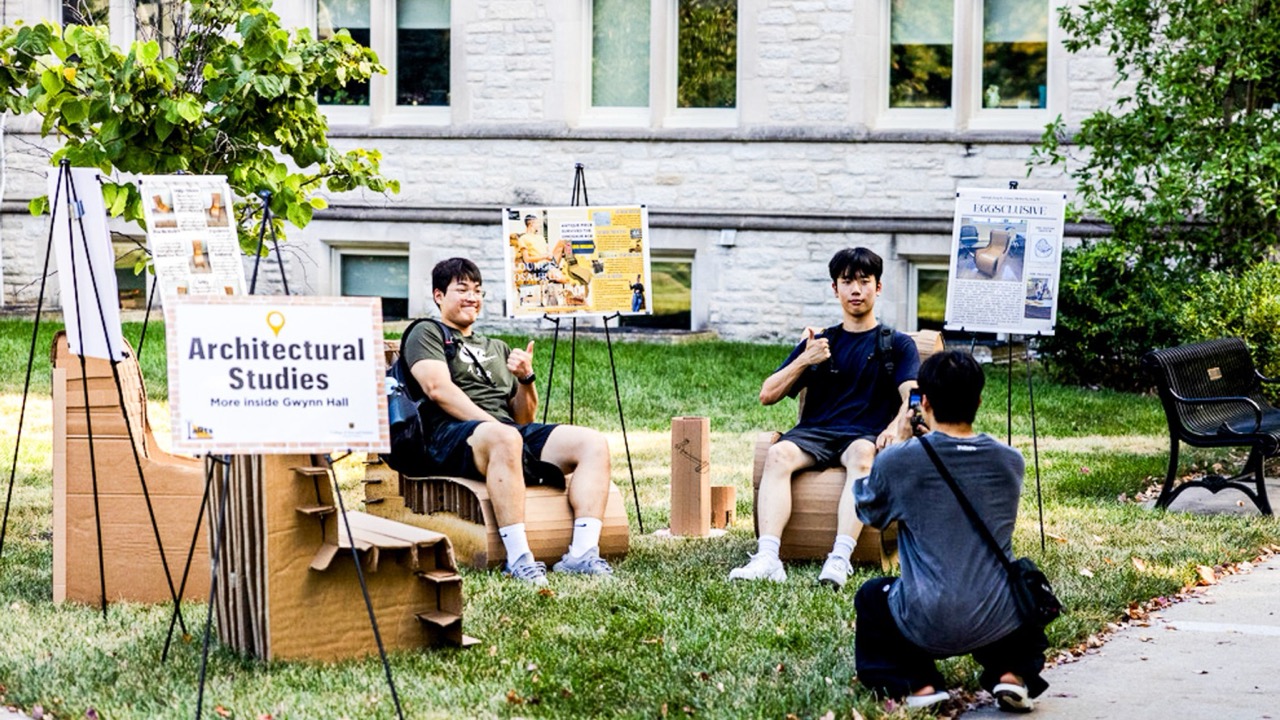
[1264,378]
[1257,411]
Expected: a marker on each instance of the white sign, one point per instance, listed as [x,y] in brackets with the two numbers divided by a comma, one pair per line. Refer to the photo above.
[191,232]
[1006,251]
[276,374]
[86,264]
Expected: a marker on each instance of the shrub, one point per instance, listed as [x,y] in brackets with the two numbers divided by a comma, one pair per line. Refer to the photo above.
[1246,306]
[1113,307]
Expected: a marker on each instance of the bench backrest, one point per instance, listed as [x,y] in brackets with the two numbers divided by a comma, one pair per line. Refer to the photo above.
[1215,368]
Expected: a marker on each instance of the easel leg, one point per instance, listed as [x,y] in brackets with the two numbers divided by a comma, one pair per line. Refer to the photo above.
[551,373]
[215,551]
[26,384]
[364,588]
[1035,444]
[573,363]
[191,551]
[617,394]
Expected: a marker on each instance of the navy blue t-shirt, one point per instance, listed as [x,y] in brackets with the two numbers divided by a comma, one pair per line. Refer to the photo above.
[847,393]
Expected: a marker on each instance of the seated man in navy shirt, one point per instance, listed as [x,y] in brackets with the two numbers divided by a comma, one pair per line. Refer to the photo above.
[857,383]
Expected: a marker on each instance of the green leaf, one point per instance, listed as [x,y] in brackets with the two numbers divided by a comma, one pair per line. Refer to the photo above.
[299,215]
[39,206]
[51,81]
[148,52]
[189,110]
[318,202]
[75,111]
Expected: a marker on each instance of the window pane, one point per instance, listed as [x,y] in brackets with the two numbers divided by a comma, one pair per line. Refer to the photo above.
[920,37]
[85,12]
[1015,53]
[931,299]
[672,298]
[707,75]
[620,53]
[422,52]
[384,276]
[352,16]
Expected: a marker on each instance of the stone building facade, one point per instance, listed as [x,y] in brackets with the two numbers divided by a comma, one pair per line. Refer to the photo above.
[820,142]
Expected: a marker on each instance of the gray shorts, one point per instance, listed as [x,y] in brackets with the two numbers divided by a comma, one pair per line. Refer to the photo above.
[823,444]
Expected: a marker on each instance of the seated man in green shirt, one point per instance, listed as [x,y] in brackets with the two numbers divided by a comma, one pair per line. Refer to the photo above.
[482,425]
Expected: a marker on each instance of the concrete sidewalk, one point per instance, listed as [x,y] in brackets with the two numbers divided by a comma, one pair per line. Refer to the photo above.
[1213,657]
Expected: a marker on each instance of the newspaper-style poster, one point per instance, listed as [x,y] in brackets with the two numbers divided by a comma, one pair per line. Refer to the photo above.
[1006,253]
[577,260]
[191,232]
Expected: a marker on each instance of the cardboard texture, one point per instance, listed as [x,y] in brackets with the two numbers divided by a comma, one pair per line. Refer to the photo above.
[131,559]
[691,476]
[287,583]
[461,509]
[724,506]
[811,531]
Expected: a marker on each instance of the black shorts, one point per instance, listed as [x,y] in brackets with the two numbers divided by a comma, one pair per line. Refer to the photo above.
[824,444]
[448,452]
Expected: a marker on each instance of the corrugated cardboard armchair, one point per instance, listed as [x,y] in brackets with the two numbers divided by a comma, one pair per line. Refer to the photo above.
[815,494]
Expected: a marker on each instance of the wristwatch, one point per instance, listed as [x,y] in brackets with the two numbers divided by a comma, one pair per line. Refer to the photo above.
[527,380]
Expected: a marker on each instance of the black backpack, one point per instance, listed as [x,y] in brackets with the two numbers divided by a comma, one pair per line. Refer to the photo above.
[405,399]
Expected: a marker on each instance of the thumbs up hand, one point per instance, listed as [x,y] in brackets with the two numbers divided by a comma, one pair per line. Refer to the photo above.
[817,350]
[520,362]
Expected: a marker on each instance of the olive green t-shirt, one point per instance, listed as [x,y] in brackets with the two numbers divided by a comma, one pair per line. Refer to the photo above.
[491,387]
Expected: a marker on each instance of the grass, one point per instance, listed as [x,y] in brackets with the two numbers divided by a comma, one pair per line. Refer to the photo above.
[669,636]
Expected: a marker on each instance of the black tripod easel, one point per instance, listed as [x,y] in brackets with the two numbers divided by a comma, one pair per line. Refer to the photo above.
[579,197]
[218,522]
[66,200]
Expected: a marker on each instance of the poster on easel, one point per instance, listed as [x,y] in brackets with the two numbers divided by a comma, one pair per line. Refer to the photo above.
[86,264]
[191,233]
[1006,255]
[583,260]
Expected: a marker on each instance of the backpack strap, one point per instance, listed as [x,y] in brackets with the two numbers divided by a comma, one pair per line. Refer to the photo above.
[884,349]
[450,352]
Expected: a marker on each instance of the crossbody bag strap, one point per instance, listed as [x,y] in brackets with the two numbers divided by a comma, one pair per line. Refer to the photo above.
[972,514]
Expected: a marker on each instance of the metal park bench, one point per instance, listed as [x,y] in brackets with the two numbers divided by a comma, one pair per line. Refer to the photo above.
[1212,397]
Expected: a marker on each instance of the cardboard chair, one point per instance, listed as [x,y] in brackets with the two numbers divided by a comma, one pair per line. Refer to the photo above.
[990,259]
[461,509]
[176,485]
[815,495]
[287,584]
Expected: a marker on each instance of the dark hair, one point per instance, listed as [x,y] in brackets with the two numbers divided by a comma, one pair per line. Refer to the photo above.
[446,271]
[851,262]
[952,380]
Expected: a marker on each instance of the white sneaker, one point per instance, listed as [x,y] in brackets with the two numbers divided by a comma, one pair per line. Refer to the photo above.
[1012,697]
[760,567]
[835,571]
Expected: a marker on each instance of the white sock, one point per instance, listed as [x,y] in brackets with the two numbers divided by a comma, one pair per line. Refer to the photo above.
[515,541]
[586,536]
[844,546]
[769,545]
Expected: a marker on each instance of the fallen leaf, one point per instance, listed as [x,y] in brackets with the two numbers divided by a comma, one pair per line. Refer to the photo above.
[1139,563]
[663,709]
[652,641]
[531,667]
[720,686]
[546,592]
[687,710]
[566,693]
[513,698]
[780,668]
[37,712]
[1206,575]
[829,716]
[1057,538]
[703,676]
[1086,572]
[493,650]
[1099,539]
[792,716]
[857,716]
[221,711]
[1084,470]
[266,716]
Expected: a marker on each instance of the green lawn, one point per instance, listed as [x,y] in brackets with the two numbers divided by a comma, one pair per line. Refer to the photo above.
[669,635]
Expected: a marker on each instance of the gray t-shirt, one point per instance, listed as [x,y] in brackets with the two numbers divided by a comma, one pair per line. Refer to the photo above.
[954,594]
[479,368]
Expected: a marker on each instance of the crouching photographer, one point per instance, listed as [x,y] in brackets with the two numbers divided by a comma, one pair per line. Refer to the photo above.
[953,595]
